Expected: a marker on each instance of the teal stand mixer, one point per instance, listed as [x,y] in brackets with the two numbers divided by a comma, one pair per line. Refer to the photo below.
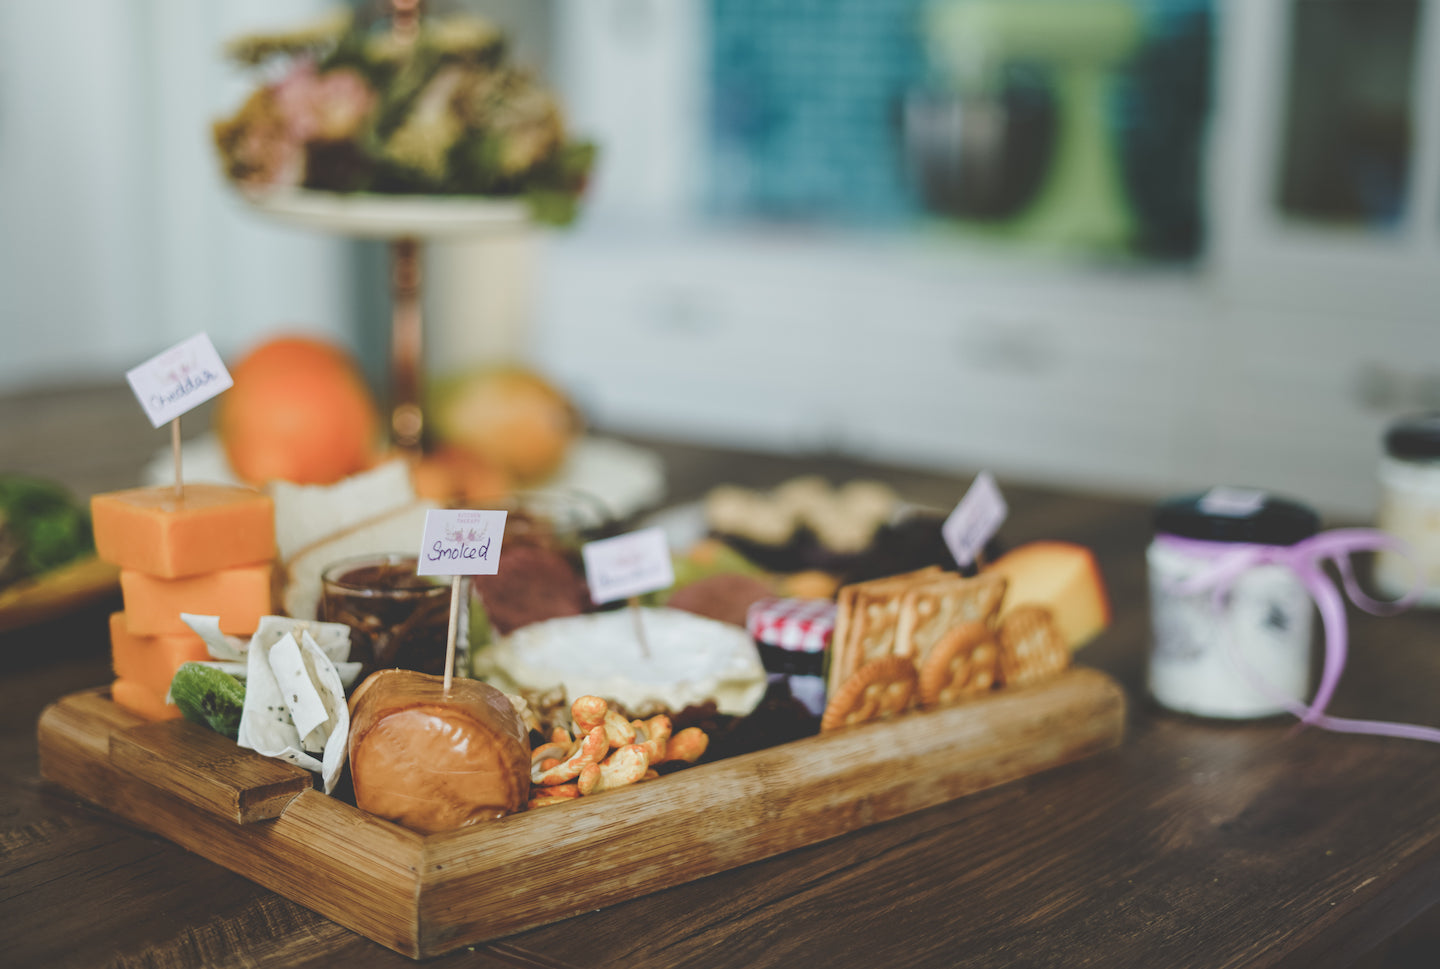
[1080,202]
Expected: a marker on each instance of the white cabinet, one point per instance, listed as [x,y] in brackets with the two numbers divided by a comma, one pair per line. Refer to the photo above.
[697,337]
[1138,381]
[1300,401]
[875,347]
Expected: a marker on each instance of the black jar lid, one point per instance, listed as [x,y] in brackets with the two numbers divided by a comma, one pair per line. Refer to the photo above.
[1414,438]
[1237,515]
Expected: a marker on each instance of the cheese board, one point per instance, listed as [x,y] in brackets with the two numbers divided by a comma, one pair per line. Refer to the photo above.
[426,895]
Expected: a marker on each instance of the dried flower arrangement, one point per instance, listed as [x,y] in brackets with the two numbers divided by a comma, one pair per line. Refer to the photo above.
[351,107]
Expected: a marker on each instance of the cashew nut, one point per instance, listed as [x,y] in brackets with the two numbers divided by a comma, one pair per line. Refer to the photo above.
[588,752]
[624,766]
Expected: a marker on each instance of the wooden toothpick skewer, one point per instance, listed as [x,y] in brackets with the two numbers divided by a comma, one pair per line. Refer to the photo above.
[175,450]
[634,606]
[452,632]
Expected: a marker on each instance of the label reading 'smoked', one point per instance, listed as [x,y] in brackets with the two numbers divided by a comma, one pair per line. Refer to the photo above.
[461,542]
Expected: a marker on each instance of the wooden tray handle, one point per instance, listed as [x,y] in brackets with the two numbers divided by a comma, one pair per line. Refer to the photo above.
[207,770]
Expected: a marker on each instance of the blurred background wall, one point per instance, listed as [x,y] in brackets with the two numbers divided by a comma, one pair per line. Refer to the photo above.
[117,237]
[1133,244]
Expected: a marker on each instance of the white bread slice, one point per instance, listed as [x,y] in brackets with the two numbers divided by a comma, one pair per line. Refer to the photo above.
[399,531]
[306,514]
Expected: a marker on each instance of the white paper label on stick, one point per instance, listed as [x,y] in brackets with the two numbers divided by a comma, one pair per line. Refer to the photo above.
[975,519]
[461,542]
[628,565]
[175,380]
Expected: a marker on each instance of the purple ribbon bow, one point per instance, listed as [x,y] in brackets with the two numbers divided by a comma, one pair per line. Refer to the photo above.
[1227,561]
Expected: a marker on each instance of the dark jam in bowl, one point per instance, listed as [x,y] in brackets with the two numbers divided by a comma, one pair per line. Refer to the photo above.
[397,619]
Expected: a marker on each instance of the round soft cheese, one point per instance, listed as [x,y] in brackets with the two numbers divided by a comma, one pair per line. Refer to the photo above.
[685,660]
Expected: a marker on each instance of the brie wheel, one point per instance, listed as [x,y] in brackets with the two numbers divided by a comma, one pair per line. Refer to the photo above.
[687,660]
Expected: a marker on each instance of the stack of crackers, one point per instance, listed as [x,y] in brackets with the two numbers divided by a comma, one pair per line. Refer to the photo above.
[931,637]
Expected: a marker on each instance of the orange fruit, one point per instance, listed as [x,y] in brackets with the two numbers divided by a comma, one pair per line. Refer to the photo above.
[294,352]
[299,411]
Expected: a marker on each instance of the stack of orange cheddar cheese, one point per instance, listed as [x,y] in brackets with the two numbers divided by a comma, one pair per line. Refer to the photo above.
[209,551]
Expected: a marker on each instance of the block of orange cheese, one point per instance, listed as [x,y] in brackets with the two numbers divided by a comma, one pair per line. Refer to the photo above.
[209,527]
[1064,578]
[140,699]
[151,661]
[238,596]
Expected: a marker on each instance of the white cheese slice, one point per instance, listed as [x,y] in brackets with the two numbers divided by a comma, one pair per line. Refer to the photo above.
[332,638]
[298,691]
[219,645]
[295,706]
[229,652]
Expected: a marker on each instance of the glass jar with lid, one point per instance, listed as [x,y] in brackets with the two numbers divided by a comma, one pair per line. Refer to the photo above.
[1239,647]
[1410,507]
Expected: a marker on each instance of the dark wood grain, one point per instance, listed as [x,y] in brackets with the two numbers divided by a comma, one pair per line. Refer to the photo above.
[1193,844]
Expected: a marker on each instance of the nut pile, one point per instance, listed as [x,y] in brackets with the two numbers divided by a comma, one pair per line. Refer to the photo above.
[606,751]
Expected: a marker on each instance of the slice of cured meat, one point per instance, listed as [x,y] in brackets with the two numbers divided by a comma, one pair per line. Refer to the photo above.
[535,583]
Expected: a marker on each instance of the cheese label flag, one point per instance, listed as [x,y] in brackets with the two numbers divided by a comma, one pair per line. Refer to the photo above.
[461,542]
[628,565]
[178,379]
[975,519]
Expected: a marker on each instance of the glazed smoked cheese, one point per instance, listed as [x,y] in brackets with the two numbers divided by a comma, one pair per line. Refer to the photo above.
[435,761]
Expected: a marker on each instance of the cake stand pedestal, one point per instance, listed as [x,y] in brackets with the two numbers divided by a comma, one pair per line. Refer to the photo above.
[405,222]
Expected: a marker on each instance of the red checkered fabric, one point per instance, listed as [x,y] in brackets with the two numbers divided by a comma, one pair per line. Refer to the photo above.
[799,625]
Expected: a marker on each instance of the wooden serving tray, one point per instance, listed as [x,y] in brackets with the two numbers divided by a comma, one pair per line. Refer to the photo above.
[423,896]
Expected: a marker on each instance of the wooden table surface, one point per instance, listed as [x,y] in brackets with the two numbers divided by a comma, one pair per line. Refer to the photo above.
[1193,844]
